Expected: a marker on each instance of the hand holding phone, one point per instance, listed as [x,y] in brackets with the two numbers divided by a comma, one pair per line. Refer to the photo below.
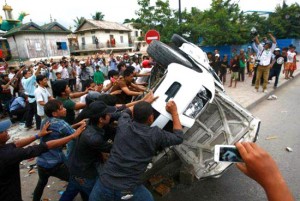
[227,153]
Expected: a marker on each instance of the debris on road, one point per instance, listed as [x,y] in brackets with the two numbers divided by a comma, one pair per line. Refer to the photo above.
[162,189]
[289,149]
[272,97]
[271,137]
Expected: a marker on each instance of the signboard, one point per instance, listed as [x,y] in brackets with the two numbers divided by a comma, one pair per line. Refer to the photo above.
[151,35]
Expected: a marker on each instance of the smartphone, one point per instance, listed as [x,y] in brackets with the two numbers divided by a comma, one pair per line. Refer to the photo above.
[227,153]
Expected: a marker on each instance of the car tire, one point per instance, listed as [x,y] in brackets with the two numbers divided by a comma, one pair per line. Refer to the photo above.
[165,55]
[178,40]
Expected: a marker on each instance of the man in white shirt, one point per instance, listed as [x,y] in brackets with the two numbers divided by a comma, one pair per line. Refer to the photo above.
[11,73]
[136,65]
[265,55]
[64,71]
[41,94]
[53,69]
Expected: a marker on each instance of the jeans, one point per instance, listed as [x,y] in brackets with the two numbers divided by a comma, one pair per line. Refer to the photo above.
[32,111]
[60,171]
[102,193]
[262,71]
[78,184]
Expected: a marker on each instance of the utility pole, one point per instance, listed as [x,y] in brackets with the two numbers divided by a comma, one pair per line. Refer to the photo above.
[179,11]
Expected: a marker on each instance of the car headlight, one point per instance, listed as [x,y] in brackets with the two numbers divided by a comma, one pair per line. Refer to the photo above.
[195,107]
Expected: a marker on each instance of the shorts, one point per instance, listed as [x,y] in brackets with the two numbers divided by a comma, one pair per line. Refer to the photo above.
[290,66]
[235,75]
[251,66]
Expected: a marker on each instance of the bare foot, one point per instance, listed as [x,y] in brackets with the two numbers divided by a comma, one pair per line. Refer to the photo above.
[234,87]
[229,86]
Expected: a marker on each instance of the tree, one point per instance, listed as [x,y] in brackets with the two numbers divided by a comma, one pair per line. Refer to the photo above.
[78,21]
[159,17]
[285,21]
[98,16]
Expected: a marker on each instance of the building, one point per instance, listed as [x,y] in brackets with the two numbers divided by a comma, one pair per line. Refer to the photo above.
[137,38]
[31,41]
[98,36]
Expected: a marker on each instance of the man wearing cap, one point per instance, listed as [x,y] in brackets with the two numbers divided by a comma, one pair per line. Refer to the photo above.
[134,146]
[11,154]
[86,155]
[265,56]
[29,82]
[278,60]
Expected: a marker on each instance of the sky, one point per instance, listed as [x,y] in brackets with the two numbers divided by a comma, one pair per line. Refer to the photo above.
[65,11]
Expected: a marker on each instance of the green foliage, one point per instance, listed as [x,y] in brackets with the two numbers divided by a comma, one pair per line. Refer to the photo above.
[98,16]
[78,21]
[285,21]
[224,23]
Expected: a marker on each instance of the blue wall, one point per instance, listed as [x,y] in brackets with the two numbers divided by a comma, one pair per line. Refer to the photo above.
[227,49]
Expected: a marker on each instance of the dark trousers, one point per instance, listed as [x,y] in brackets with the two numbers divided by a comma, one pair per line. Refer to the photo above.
[72,83]
[274,72]
[85,84]
[60,171]
[32,111]
[242,74]
[20,113]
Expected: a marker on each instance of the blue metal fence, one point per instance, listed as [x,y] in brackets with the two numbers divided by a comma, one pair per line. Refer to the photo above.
[227,49]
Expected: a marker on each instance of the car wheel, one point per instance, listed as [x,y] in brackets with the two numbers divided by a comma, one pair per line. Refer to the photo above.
[178,40]
[165,55]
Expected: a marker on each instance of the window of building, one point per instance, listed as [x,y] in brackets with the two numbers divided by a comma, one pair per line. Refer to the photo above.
[83,41]
[38,46]
[136,33]
[94,39]
[61,45]
[121,39]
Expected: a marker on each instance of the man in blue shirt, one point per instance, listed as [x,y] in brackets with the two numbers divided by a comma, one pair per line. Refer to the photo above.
[52,162]
[29,82]
[18,107]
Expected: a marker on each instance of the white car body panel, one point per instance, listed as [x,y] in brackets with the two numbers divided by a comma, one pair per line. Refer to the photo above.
[187,92]
[199,57]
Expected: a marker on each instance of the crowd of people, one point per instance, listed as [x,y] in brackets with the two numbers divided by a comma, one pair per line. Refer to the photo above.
[262,61]
[24,91]
[107,132]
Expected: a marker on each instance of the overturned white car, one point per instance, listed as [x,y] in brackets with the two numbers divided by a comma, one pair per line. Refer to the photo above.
[208,115]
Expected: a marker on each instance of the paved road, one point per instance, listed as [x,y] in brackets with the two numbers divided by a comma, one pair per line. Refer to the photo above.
[280,118]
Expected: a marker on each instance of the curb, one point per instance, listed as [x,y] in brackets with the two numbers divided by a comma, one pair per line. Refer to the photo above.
[252,105]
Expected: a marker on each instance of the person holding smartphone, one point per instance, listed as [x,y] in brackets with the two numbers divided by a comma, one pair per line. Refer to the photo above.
[261,167]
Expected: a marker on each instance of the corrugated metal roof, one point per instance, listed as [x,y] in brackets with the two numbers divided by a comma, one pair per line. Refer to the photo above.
[31,27]
[106,25]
